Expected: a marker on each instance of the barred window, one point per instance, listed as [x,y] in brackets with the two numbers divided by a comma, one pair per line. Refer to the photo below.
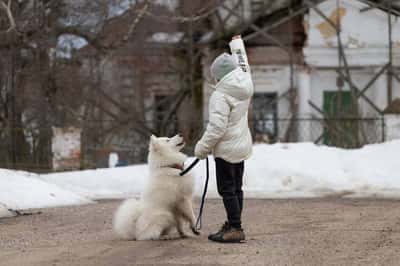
[265,115]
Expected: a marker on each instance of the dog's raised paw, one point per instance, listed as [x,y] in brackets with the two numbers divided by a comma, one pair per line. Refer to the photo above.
[195,231]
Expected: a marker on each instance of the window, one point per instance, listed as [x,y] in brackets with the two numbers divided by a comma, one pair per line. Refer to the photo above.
[265,116]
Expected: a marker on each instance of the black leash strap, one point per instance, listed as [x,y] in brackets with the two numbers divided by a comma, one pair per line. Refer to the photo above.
[184,172]
[197,227]
[203,199]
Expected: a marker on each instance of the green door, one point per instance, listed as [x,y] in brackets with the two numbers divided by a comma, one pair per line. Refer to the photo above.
[340,129]
[335,101]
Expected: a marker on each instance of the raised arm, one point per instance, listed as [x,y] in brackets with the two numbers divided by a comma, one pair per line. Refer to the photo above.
[239,52]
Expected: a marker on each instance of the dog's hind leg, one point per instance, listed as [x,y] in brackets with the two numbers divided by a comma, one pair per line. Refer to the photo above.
[152,227]
[166,234]
[153,233]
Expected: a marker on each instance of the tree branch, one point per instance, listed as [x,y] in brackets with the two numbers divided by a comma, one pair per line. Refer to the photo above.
[7,9]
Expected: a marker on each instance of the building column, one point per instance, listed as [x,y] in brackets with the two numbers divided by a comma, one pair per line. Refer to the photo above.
[304,112]
[380,90]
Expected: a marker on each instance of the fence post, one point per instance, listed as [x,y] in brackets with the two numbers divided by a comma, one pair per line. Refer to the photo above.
[383,128]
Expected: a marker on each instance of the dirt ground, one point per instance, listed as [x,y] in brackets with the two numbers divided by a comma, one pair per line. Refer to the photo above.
[280,232]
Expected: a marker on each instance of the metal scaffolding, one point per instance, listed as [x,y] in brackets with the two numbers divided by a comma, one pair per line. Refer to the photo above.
[291,10]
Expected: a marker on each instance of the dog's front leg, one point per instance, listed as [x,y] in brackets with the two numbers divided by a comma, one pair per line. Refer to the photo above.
[185,209]
[180,222]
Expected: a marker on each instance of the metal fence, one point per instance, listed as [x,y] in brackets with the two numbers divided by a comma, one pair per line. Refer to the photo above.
[338,132]
[34,149]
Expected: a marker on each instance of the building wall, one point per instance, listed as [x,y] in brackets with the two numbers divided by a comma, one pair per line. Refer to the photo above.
[358,29]
[66,148]
[392,126]
[366,45]
[273,79]
[325,80]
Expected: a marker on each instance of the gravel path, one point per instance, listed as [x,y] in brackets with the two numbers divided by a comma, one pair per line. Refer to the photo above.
[326,231]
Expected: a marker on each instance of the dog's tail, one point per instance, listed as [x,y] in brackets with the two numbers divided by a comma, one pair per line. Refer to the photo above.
[125,219]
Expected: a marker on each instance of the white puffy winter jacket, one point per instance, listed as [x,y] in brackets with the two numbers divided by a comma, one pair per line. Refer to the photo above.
[227,135]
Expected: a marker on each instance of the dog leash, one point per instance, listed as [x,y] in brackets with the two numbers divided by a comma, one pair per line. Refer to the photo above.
[184,172]
[197,227]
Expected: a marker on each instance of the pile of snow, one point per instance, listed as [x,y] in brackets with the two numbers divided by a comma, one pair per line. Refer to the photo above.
[4,212]
[117,183]
[22,190]
[307,170]
[109,183]
[274,171]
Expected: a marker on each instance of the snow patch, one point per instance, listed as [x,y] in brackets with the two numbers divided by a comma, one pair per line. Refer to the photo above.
[67,43]
[281,170]
[172,5]
[164,37]
[307,170]
[118,7]
[22,190]
[110,183]
[4,212]
[273,171]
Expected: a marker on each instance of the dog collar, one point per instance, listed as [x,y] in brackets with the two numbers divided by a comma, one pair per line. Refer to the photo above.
[176,166]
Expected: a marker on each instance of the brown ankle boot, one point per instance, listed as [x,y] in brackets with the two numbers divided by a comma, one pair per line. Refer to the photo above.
[228,234]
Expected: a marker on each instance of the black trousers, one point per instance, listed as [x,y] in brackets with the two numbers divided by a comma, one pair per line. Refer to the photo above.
[229,184]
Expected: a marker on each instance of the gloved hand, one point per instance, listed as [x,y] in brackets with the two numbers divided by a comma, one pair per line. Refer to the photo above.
[200,152]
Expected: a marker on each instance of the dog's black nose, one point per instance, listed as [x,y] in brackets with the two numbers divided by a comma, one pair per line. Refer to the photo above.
[180,135]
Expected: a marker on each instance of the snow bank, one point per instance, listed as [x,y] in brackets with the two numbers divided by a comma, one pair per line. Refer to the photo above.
[22,190]
[120,182]
[274,171]
[4,212]
[307,170]
[108,183]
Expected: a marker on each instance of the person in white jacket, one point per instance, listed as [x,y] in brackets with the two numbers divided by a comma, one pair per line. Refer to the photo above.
[227,135]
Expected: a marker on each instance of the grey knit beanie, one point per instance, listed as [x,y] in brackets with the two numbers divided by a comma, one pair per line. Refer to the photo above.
[222,65]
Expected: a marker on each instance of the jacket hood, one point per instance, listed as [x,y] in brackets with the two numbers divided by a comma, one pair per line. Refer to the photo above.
[237,84]
[222,65]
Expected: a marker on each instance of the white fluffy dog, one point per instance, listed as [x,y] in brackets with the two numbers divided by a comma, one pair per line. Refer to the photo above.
[166,202]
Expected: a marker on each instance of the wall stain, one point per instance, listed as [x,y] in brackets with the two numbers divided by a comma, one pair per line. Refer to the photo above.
[354,43]
[325,28]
